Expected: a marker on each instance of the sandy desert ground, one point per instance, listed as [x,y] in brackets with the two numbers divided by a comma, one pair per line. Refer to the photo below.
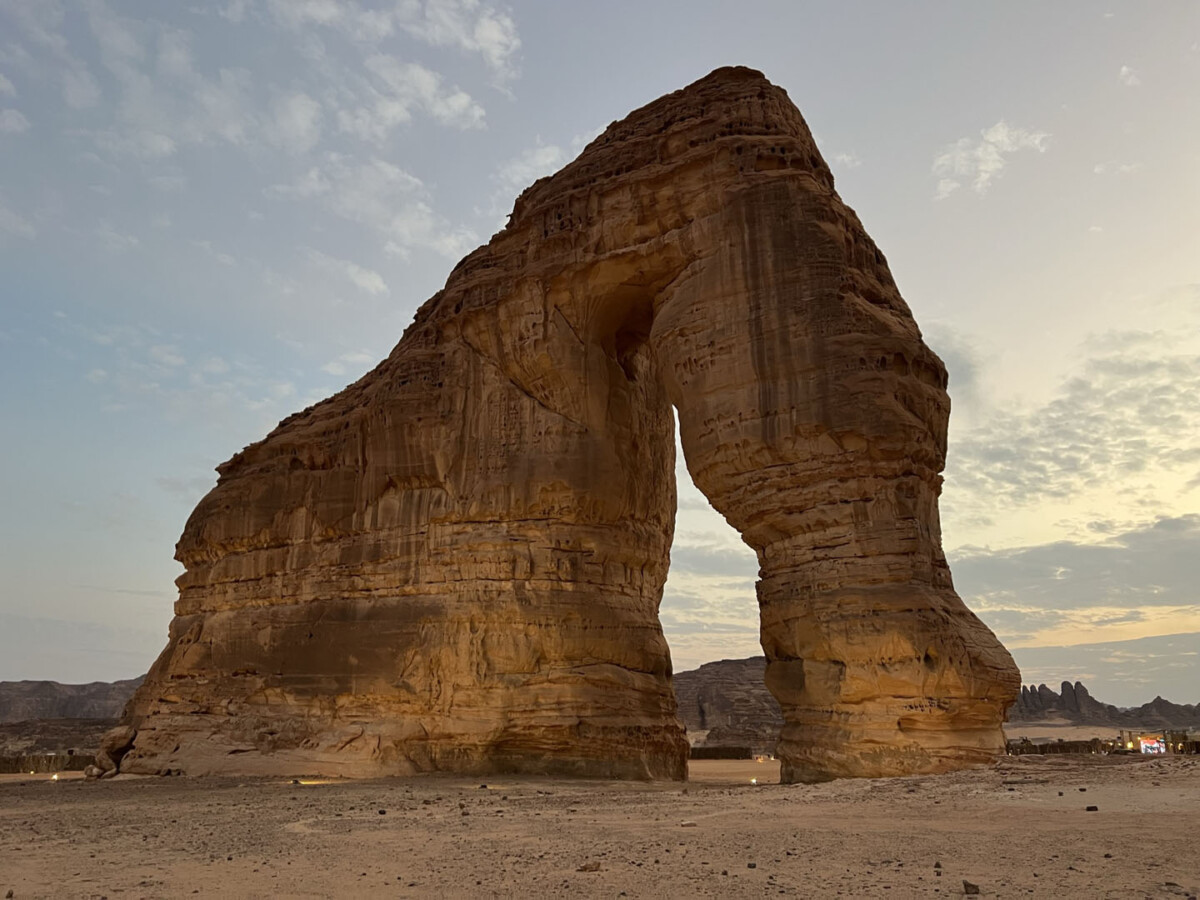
[1019,829]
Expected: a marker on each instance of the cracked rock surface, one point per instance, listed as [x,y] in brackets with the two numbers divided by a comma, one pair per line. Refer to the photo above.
[456,562]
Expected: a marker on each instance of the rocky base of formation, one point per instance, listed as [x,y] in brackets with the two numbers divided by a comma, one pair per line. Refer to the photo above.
[456,563]
[1074,703]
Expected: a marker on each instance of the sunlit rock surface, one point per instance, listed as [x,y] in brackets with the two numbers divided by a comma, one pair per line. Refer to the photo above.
[456,562]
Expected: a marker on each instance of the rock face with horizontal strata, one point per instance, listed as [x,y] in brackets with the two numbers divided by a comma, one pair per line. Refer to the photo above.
[456,562]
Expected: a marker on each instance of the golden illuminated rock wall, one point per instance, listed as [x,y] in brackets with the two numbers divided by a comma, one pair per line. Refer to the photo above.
[456,562]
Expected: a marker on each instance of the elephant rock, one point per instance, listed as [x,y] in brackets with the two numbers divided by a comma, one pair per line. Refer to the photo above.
[456,562]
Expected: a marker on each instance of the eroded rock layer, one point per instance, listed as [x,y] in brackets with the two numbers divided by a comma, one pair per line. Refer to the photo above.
[456,562]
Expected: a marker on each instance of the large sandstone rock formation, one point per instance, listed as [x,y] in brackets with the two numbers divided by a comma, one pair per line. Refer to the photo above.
[456,562]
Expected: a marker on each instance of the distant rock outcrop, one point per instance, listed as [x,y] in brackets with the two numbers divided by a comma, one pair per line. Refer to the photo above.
[1075,703]
[727,704]
[24,700]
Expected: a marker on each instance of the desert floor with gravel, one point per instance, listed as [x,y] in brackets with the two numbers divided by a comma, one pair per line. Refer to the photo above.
[1021,828]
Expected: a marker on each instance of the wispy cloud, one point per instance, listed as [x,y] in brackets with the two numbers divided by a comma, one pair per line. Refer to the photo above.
[165,103]
[12,224]
[366,280]
[383,197]
[41,24]
[114,239]
[469,25]
[173,377]
[397,90]
[1123,421]
[979,162]
[80,89]
[295,123]
[169,184]
[7,89]
[366,25]
[354,361]
[167,355]
[1128,77]
[473,26]
[1113,167]
[225,259]
[1138,583]
[13,121]
[234,11]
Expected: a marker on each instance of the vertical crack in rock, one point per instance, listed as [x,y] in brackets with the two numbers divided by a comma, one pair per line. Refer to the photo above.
[456,562]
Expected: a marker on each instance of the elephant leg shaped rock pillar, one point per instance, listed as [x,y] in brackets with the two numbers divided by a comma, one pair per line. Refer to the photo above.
[814,419]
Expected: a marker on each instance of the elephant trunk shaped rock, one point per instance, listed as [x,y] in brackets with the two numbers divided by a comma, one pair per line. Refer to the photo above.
[456,562]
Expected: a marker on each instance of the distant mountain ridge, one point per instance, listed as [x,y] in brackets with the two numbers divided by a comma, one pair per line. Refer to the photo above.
[1076,704]
[722,703]
[21,701]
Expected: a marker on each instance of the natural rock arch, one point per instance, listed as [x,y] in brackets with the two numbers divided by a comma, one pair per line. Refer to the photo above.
[456,562]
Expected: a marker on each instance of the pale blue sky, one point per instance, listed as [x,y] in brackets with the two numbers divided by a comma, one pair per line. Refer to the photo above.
[213,214]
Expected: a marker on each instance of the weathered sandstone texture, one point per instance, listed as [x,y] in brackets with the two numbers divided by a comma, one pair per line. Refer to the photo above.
[456,562]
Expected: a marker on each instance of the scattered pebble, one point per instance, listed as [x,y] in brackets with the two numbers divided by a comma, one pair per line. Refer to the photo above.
[970,887]
[1093,809]
[589,867]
